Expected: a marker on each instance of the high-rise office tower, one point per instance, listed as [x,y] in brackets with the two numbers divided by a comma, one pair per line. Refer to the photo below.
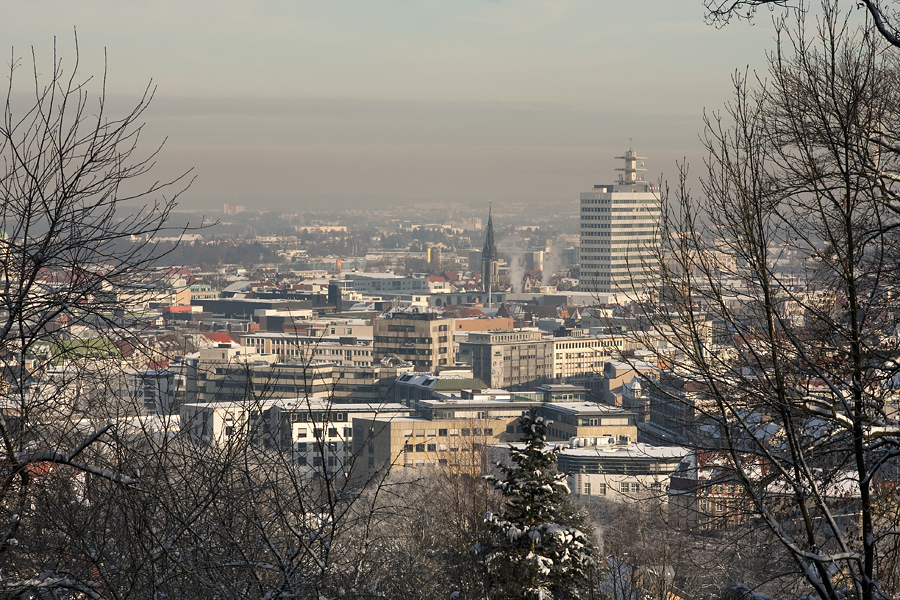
[620,233]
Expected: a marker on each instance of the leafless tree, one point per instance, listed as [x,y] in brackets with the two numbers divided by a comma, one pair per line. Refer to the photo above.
[884,14]
[78,216]
[779,295]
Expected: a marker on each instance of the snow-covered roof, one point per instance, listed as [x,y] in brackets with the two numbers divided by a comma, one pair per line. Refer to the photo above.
[634,449]
[584,407]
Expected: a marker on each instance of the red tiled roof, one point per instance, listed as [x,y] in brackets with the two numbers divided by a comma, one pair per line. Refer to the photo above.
[220,337]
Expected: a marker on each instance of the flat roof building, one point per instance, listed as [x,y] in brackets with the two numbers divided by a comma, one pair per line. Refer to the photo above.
[514,360]
[621,472]
[620,233]
[424,339]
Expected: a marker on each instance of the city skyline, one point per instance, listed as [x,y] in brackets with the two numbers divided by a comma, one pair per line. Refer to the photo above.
[279,106]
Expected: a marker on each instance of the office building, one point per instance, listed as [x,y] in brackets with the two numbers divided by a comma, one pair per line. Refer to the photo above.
[424,339]
[600,466]
[620,233]
[512,360]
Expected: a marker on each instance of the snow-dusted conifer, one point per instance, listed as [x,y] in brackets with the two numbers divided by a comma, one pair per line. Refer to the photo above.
[538,552]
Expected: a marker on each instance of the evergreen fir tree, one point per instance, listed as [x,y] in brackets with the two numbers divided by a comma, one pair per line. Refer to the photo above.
[539,552]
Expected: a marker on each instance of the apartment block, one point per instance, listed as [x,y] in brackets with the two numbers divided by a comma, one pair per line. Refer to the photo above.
[424,339]
[513,360]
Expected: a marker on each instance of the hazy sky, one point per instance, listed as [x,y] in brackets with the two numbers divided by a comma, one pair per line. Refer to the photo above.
[298,103]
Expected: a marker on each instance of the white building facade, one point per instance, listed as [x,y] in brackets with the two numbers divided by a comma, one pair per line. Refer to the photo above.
[620,233]
[581,356]
[621,472]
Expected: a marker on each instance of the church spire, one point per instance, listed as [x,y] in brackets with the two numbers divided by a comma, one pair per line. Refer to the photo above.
[490,261]
[489,252]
